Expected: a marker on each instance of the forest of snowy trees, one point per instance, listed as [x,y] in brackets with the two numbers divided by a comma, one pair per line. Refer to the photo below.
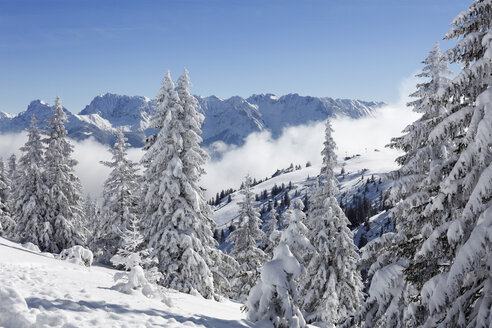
[153,221]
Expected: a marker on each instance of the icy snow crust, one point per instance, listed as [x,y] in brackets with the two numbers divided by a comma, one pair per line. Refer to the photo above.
[38,291]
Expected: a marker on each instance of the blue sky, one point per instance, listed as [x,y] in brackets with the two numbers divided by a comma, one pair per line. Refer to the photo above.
[339,48]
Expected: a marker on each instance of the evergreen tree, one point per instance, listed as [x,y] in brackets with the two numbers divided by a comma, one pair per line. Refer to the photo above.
[133,258]
[4,183]
[12,166]
[274,298]
[416,183]
[457,254]
[295,233]
[12,176]
[272,236]
[90,221]
[442,276]
[177,221]
[245,249]
[64,206]
[332,289]
[120,198]
[6,222]
[30,194]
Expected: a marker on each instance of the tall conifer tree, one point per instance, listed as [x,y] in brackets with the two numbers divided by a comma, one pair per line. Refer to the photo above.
[120,198]
[177,220]
[332,289]
[245,249]
[64,208]
[30,194]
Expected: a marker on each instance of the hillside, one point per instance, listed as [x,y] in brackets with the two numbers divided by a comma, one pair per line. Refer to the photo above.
[369,169]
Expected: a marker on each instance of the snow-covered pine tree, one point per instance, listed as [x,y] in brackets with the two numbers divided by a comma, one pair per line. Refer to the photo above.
[295,233]
[11,175]
[5,216]
[133,258]
[177,220]
[272,235]
[4,192]
[423,164]
[332,289]
[120,198]
[30,194]
[64,208]
[12,166]
[458,253]
[91,221]
[5,182]
[245,249]
[274,297]
[395,277]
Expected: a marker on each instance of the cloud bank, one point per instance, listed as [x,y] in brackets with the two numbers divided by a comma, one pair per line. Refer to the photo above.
[261,155]
[88,154]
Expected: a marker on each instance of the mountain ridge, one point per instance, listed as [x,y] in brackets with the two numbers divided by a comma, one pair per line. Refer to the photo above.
[228,120]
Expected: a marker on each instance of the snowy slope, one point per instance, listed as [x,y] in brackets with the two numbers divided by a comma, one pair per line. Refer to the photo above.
[228,120]
[227,212]
[358,168]
[37,290]
[376,226]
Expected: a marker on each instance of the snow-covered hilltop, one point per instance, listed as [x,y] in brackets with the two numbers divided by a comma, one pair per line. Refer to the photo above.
[363,188]
[228,120]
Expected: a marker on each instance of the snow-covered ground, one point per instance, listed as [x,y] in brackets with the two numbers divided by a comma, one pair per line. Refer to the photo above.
[37,290]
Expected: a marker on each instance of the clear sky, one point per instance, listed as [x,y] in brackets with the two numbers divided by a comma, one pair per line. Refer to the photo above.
[79,49]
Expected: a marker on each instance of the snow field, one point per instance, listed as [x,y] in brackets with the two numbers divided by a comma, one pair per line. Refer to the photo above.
[39,291]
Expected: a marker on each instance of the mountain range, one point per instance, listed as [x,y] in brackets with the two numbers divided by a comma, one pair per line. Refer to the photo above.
[228,120]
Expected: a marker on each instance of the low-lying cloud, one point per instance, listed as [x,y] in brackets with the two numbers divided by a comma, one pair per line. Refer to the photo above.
[88,154]
[261,155]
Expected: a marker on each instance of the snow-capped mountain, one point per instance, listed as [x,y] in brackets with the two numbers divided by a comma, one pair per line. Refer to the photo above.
[228,120]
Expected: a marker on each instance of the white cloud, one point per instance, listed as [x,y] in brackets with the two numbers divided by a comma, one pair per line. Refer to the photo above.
[91,172]
[261,155]
[88,153]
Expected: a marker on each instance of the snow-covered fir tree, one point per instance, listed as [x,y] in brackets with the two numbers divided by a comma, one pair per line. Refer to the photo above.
[90,220]
[416,184]
[393,293]
[458,253]
[64,207]
[12,174]
[12,166]
[332,289]
[177,220]
[120,198]
[274,298]
[295,233]
[5,182]
[133,259]
[245,248]
[423,163]
[30,194]
[272,235]
[5,218]
[441,277]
